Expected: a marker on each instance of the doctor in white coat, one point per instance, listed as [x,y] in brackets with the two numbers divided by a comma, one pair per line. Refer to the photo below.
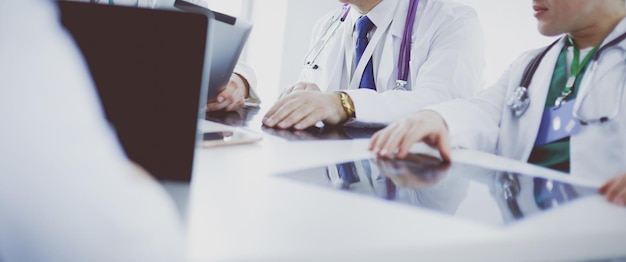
[446,62]
[587,139]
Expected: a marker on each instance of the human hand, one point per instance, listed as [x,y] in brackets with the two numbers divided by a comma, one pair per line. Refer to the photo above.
[232,97]
[416,171]
[303,109]
[300,86]
[396,139]
[615,190]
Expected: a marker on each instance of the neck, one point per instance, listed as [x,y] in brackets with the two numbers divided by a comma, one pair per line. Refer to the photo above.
[595,33]
[365,6]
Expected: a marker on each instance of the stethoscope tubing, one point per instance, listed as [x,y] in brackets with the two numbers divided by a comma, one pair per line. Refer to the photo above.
[332,27]
[403,56]
[405,46]
[532,66]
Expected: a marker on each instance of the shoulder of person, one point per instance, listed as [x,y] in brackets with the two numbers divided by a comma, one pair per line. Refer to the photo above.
[445,14]
[522,61]
[323,20]
[528,55]
[448,9]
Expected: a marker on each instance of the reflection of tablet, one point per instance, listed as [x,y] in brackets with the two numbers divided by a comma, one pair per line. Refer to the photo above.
[462,190]
[229,137]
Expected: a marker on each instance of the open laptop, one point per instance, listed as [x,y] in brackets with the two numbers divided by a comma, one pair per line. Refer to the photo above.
[151,71]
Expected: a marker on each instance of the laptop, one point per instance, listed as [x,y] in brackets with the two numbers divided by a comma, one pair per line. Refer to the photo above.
[229,37]
[150,70]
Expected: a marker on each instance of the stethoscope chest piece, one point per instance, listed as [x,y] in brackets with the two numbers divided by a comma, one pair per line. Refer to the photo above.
[519,102]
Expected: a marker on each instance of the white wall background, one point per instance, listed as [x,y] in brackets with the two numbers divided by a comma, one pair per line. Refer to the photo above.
[281,35]
[510,29]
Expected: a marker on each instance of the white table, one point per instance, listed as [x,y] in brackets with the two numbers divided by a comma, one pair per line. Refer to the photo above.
[239,210]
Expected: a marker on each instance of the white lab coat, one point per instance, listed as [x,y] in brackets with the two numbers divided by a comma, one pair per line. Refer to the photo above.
[596,151]
[245,71]
[446,59]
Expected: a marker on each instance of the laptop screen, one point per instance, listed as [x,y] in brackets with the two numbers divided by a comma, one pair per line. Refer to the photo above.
[149,68]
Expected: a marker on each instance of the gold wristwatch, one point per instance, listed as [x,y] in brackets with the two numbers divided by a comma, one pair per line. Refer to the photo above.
[347,105]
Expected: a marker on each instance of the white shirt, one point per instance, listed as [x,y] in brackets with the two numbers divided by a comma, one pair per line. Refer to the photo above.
[67,192]
[446,60]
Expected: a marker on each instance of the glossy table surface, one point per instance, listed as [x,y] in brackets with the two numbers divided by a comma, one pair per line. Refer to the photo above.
[276,200]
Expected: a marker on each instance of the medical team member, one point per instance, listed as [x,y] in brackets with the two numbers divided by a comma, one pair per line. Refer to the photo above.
[67,190]
[418,53]
[558,107]
[239,92]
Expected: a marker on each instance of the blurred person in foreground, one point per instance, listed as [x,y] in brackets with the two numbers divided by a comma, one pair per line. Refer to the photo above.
[67,190]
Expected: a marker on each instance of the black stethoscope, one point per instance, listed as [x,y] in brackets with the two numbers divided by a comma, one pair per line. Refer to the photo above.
[337,20]
[519,101]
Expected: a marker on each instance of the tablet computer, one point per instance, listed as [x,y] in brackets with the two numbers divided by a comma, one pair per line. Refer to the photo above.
[229,35]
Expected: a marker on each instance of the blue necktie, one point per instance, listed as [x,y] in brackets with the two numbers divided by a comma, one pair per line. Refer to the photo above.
[347,172]
[363,26]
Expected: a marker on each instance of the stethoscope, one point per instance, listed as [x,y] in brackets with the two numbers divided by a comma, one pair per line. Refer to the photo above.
[337,20]
[519,101]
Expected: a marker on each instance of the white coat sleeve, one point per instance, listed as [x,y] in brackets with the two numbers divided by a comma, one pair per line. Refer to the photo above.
[453,69]
[474,123]
[67,192]
[246,72]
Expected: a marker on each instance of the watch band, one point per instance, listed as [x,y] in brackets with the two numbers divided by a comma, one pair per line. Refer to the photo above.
[347,105]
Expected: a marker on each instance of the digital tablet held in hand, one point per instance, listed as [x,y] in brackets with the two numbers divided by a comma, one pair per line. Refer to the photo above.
[229,37]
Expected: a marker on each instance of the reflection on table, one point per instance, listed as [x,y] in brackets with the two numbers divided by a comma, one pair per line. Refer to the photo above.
[462,190]
[245,117]
[250,117]
[322,133]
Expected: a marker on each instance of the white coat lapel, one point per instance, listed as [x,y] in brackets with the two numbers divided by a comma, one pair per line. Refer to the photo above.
[335,62]
[388,64]
[328,75]
[538,91]
[381,29]
[348,43]
[585,85]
